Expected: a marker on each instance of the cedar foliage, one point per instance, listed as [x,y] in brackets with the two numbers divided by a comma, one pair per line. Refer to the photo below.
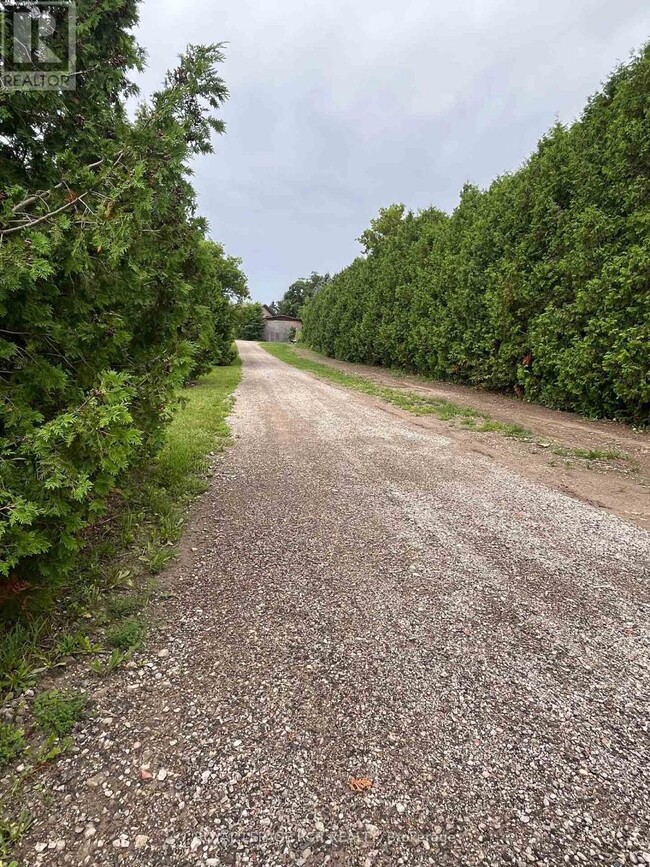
[110,294]
[539,284]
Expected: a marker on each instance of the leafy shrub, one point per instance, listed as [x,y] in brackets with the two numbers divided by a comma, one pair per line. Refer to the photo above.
[538,285]
[250,322]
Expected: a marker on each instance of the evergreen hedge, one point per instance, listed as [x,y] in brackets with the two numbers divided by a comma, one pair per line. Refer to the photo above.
[538,285]
[110,294]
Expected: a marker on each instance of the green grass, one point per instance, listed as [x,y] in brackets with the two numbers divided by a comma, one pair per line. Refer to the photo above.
[124,605]
[127,634]
[410,401]
[592,454]
[125,550]
[199,428]
[57,711]
[418,404]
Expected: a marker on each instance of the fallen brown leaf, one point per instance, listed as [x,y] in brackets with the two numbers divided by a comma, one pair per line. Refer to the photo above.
[359,784]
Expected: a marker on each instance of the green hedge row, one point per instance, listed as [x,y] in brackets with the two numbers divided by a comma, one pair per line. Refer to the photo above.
[110,294]
[538,285]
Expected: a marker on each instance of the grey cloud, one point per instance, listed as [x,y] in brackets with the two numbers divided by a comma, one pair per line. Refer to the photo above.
[339,108]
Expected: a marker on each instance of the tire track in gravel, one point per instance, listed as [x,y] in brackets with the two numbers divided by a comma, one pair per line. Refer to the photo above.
[357,597]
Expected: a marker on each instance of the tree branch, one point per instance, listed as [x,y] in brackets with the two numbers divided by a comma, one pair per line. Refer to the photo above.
[37,196]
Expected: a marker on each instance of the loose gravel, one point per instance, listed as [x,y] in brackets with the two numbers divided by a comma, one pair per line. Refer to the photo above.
[358,600]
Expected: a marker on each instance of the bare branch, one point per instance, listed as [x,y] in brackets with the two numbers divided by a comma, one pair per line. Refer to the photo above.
[40,195]
[32,223]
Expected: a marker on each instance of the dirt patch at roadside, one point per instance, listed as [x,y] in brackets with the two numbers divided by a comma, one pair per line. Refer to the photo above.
[620,486]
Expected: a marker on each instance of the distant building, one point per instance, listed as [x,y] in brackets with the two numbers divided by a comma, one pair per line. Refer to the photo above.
[279,329]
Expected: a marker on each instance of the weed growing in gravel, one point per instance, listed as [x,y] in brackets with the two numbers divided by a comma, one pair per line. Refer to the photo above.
[57,711]
[102,668]
[18,671]
[156,557]
[127,635]
[12,743]
[21,678]
[11,832]
[511,431]
[420,404]
[78,644]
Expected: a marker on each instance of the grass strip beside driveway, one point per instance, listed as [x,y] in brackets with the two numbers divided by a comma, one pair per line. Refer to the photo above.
[410,401]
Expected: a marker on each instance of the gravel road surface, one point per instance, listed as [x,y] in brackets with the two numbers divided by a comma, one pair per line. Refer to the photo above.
[358,599]
[619,485]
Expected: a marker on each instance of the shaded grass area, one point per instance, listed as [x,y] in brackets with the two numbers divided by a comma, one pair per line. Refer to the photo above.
[445,410]
[113,581]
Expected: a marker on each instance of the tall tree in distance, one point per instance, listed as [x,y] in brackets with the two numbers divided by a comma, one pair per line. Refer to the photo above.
[387,224]
[300,293]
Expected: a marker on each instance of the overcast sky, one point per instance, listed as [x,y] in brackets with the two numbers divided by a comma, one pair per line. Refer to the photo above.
[340,107]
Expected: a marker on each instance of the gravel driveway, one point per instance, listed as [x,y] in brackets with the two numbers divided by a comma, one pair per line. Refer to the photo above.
[358,600]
